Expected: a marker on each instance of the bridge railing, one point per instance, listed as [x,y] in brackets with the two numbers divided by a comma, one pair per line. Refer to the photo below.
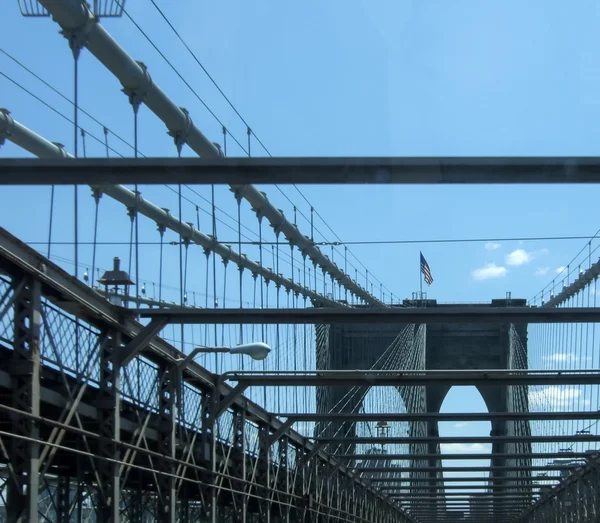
[240,453]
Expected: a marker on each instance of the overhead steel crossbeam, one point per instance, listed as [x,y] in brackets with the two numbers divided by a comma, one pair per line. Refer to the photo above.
[457,479]
[475,468]
[402,315]
[459,439]
[77,20]
[212,169]
[387,378]
[445,416]
[459,457]
[35,144]
[398,489]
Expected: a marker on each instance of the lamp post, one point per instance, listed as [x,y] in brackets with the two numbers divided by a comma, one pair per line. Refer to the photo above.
[257,351]
[383,429]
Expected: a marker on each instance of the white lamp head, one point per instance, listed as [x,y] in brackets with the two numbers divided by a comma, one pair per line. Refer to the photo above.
[257,351]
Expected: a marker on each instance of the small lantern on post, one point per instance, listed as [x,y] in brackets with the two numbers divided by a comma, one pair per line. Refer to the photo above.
[115,278]
[383,429]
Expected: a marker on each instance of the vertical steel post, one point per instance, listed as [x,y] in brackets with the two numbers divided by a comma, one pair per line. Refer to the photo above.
[23,492]
[166,509]
[109,412]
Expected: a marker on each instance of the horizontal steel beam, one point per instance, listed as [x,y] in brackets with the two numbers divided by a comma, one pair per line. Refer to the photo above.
[460,439]
[390,315]
[462,479]
[391,378]
[392,469]
[420,416]
[398,489]
[349,170]
[459,457]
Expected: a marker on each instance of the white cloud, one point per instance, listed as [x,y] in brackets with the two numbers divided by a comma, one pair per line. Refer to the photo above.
[543,251]
[560,269]
[518,257]
[564,357]
[489,271]
[561,357]
[464,448]
[492,246]
[461,425]
[542,271]
[557,398]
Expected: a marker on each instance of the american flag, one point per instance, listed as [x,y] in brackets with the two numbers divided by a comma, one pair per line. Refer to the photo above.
[426,270]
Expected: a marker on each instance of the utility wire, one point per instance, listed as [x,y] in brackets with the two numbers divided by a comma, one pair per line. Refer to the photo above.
[62,115]
[175,70]
[61,95]
[248,126]
[57,111]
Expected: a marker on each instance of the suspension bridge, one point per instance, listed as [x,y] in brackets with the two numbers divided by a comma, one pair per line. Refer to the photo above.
[271,377]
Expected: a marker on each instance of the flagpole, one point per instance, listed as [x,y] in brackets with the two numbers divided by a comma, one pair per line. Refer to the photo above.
[420,277]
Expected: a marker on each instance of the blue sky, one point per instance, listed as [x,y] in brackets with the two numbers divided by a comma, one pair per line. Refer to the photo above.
[437,78]
[357,78]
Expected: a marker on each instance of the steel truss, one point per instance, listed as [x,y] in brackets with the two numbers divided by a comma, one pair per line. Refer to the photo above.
[98,422]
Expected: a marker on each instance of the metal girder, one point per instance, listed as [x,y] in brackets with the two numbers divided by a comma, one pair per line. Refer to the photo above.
[25,367]
[445,416]
[323,170]
[109,414]
[76,297]
[370,378]
[166,509]
[463,479]
[390,315]
[397,469]
[124,355]
[461,439]
[458,457]
[398,489]
[228,400]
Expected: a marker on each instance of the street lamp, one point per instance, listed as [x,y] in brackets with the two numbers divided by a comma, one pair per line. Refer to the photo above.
[257,351]
[383,429]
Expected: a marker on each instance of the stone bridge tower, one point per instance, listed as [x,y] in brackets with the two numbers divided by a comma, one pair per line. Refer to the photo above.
[434,347]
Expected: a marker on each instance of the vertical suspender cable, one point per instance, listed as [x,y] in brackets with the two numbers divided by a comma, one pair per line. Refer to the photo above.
[262,327]
[225,265]
[181,291]
[346,270]
[131,213]
[239,224]
[214,259]
[161,230]
[51,220]
[76,153]
[207,253]
[277,327]
[97,201]
[136,216]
